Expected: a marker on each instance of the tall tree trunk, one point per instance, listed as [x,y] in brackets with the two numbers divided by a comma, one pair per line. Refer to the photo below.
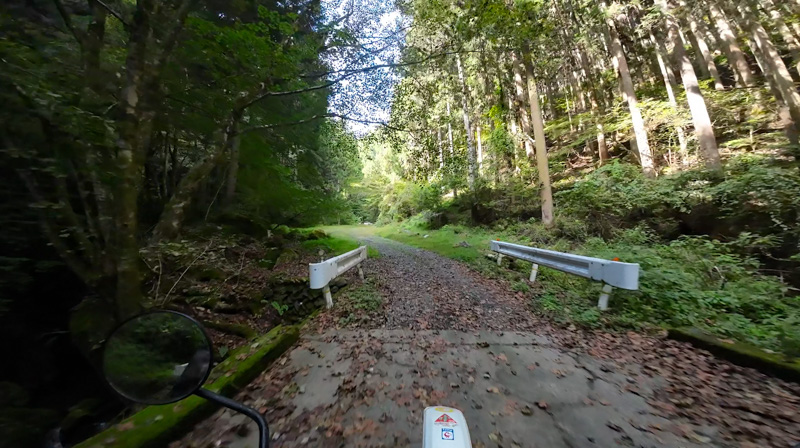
[621,64]
[783,110]
[472,157]
[731,47]
[786,34]
[450,131]
[697,28]
[545,190]
[479,141]
[703,129]
[450,143]
[519,86]
[440,145]
[776,67]
[702,67]
[233,173]
[671,84]
[135,130]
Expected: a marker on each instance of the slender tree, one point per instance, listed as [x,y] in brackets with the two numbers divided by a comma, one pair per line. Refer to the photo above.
[621,64]
[472,158]
[697,105]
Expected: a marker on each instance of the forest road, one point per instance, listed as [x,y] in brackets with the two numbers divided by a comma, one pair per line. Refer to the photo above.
[451,337]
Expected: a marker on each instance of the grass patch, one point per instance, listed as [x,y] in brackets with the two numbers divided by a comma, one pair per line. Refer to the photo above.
[444,241]
[692,281]
[336,245]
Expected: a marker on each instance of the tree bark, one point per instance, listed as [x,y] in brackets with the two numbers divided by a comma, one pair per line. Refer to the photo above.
[472,158]
[786,34]
[519,87]
[545,190]
[702,67]
[783,110]
[621,64]
[671,84]
[697,28]
[731,47]
[776,68]
[703,129]
[233,173]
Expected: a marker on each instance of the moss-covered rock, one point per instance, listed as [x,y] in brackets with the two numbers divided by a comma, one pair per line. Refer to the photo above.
[317,234]
[231,328]
[740,353]
[156,426]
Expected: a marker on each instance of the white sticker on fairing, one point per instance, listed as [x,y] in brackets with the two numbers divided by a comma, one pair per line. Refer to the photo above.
[445,427]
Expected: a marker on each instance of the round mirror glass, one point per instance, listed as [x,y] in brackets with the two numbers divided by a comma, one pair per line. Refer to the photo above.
[158,357]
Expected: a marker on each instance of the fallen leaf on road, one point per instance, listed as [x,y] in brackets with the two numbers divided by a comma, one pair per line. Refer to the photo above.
[493,390]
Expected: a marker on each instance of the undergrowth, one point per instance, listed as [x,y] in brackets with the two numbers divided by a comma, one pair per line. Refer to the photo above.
[744,220]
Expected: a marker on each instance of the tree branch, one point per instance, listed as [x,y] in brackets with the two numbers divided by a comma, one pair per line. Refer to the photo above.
[317,117]
[117,15]
[68,22]
[172,38]
[75,263]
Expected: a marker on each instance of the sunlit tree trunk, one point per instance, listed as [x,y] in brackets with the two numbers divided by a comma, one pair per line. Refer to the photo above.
[450,143]
[703,129]
[701,66]
[545,191]
[697,28]
[775,65]
[731,47]
[783,110]
[478,139]
[786,34]
[519,86]
[670,84]
[450,131]
[472,158]
[440,145]
[621,64]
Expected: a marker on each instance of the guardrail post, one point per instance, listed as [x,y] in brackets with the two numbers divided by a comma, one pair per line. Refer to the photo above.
[499,259]
[360,272]
[603,302]
[534,271]
[326,291]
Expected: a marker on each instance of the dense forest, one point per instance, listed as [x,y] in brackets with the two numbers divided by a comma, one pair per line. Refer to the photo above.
[665,133]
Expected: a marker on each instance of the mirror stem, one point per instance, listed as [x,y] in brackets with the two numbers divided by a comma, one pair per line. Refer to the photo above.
[263,429]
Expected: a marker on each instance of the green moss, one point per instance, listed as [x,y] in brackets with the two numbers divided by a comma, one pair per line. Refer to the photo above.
[156,426]
[739,353]
[230,328]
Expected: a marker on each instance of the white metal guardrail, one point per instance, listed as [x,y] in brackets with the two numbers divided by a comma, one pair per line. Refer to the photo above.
[611,273]
[320,274]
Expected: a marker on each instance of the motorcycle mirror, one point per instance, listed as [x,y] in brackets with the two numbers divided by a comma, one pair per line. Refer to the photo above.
[157,358]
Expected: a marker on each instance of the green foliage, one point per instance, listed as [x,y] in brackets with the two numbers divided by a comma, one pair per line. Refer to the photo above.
[689,281]
[402,199]
[280,308]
